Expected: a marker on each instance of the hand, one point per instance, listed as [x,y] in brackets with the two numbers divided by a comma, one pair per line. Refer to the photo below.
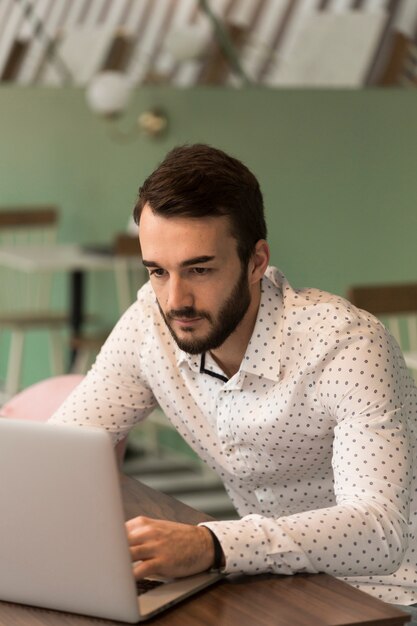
[170,549]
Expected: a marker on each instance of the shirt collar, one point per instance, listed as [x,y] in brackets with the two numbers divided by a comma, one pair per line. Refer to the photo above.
[192,360]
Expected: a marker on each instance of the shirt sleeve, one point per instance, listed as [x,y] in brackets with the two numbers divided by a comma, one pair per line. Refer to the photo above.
[363,383]
[114,394]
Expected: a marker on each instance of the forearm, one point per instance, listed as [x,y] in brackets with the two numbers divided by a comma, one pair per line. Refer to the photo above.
[349,540]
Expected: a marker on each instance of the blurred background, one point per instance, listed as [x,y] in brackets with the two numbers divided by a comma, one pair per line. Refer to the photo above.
[317,97]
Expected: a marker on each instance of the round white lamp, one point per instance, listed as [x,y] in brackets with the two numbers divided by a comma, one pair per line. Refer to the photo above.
[108,93]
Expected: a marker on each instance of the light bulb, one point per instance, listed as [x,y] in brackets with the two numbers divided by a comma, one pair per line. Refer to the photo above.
[109,93]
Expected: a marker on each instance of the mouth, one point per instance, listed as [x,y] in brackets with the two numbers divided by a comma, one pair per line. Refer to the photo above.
[186,321]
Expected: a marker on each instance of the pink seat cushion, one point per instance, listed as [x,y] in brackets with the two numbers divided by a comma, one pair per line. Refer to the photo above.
[39,401]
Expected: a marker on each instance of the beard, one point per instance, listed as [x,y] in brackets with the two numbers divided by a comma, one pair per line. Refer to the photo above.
[229,317]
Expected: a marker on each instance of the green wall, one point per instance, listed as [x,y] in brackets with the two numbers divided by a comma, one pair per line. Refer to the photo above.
[337,170]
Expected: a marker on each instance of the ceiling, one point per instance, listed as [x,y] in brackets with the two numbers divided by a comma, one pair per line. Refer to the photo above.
[276,43]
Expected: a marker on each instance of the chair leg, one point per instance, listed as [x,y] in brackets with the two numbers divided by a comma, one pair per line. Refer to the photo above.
[14,367]
[81,362]
[56,353]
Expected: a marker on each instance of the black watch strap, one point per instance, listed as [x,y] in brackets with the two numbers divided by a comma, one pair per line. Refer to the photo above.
[218,551]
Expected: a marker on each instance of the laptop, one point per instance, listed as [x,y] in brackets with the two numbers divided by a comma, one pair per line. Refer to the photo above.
[63,543]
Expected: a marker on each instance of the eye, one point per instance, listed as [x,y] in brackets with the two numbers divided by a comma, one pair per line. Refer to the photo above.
[200,270]
[157,272]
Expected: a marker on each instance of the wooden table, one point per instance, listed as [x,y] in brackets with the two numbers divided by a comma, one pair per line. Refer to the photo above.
[302,600]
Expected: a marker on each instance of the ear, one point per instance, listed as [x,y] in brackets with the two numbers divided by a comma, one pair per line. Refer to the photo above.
[259,261]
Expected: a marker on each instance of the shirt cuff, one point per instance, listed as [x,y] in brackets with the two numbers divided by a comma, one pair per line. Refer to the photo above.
[256,544]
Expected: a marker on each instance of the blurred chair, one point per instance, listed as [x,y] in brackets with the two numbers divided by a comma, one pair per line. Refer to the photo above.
[25,297]
[396,306]
[39,401]
[128,279]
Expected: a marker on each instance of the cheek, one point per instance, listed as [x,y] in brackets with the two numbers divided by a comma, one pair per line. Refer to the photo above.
[211,297]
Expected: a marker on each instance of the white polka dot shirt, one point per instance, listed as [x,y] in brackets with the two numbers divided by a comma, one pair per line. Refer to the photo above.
[312,437]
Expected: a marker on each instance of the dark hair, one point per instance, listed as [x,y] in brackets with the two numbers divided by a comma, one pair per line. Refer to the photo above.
[199,181]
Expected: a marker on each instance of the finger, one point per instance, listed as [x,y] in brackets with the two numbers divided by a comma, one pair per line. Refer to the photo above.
[137,536]
[143,569]
[139,552]
[137,530]
[135,539]
[136,522]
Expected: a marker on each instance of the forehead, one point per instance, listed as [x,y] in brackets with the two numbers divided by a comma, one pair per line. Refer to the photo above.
[180,238]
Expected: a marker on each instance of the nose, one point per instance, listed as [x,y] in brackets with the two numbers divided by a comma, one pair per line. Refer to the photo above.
[179,294]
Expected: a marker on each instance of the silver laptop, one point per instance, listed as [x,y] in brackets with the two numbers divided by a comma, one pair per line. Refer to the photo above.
[63,543]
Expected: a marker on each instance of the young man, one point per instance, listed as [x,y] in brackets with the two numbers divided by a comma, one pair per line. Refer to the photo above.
[300,402]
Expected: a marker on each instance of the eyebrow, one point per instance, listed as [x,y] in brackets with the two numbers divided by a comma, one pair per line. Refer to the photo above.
[197,260]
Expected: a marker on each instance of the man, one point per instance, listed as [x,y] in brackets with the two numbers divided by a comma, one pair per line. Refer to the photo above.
[300,402]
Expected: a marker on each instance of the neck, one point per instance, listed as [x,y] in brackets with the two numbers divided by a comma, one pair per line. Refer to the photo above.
[230,354]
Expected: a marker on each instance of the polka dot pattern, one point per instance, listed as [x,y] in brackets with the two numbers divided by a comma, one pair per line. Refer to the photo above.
[313,437]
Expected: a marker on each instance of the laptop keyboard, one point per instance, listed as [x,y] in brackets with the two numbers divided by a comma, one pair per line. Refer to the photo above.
[146,584]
